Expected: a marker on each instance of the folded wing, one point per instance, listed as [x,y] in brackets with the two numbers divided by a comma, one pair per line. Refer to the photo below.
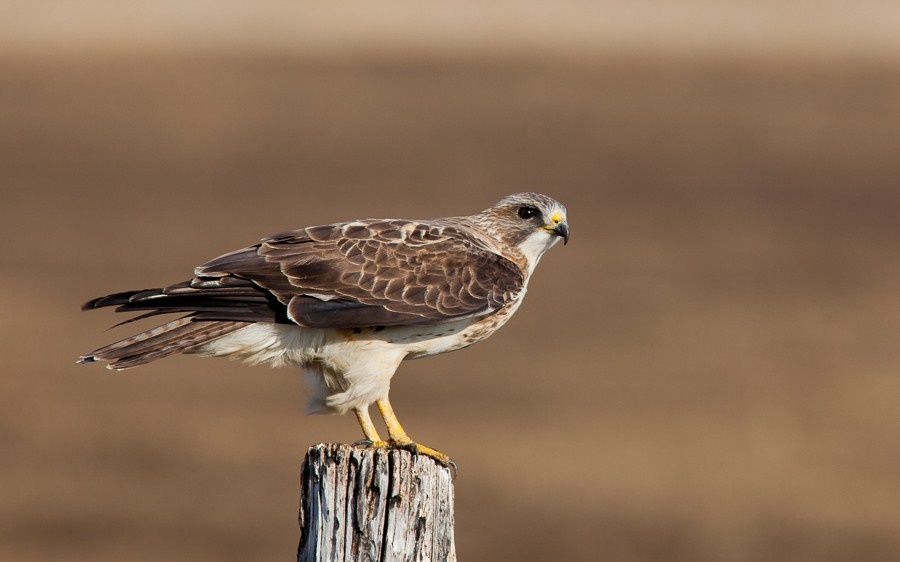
[350,275]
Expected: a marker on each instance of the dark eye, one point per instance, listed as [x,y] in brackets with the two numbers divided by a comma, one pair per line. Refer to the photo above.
[528,212]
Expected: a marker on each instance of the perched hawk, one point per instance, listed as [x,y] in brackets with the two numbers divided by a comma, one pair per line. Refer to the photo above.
[348,302]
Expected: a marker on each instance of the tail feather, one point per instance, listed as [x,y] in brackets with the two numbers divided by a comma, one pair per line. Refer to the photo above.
[111,300]
[214,307]
[211,299]
[177,336]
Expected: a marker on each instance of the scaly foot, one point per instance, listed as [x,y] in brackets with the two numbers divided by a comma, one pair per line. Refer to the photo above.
[417,449]
[400,440]
[413,448]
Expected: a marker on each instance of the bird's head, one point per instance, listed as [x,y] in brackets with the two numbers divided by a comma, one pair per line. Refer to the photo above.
[531,222]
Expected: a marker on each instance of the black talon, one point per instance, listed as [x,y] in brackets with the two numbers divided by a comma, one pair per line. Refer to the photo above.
[451,464]
[411,447]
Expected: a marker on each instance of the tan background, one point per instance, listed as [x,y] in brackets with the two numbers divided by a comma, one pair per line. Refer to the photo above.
[707,372]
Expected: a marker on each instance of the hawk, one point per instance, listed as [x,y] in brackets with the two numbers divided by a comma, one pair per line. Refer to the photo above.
[347,302]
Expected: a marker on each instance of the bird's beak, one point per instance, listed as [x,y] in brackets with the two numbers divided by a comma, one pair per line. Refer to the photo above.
[559,226]
[562,229]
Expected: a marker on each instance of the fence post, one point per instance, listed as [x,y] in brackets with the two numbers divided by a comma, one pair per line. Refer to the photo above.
[375,505]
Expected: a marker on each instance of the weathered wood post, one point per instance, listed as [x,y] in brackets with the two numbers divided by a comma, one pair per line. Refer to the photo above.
[377,505]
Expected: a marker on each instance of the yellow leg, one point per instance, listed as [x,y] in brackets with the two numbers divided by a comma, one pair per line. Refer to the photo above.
[399,438]
[365,422]
[395,431]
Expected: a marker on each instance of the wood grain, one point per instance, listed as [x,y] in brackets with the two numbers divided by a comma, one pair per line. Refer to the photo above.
[379,505]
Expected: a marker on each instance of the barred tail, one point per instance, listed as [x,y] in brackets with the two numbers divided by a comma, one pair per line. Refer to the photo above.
[178,336]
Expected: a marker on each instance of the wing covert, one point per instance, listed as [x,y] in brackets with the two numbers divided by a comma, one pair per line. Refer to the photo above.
[376,273]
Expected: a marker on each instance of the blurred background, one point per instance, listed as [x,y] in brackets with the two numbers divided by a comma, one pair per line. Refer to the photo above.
[707,372]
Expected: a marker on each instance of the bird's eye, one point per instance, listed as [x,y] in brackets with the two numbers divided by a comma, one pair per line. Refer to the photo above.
[528,212]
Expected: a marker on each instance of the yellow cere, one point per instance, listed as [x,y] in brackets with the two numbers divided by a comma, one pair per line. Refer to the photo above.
[558,217]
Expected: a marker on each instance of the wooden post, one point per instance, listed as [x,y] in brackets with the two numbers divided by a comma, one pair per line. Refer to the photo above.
[374,505]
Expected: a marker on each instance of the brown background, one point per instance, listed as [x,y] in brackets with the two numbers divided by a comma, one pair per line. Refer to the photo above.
[707,372]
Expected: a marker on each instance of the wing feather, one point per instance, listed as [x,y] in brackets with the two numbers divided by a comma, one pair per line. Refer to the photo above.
[375,273]
[350,275]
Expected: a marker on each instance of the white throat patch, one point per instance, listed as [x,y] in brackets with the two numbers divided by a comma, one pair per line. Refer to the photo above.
[535,245]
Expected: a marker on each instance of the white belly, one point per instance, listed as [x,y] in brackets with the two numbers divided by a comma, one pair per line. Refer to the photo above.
[350,368]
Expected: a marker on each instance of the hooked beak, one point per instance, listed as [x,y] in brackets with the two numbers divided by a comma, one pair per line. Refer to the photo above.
[562,229]
[559,226]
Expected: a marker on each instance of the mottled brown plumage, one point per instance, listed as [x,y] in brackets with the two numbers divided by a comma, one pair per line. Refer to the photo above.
[348,301]
[373,273]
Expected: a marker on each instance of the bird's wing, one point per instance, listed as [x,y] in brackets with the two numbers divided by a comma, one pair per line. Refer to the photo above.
[371,273]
